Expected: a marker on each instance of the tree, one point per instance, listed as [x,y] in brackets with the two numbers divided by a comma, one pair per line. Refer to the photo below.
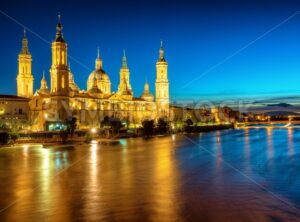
[4,137]
[116,125]
[72,125]
[64,135]
[188,125]
[14,136]
[148,126]
[105,122]
[162,126]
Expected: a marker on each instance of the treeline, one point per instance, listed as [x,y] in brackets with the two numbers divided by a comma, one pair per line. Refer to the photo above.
[163,127]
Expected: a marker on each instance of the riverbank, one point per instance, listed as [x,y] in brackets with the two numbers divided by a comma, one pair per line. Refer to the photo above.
[86,136]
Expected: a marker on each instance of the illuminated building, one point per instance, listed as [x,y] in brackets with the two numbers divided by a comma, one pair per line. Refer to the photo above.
[63,99]
[24,76]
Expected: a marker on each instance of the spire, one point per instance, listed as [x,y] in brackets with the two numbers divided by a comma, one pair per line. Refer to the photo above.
[59,27]
[44,83]
[25,49]
[161,52]
[146,87]
[98,60]
[95,89]
[146,95]
[124,60]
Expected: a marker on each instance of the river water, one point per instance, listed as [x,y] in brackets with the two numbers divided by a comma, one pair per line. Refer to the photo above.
[230,175]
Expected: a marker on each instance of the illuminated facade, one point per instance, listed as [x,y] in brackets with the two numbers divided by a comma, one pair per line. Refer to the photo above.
[24,76]
[90,106]
[162,84]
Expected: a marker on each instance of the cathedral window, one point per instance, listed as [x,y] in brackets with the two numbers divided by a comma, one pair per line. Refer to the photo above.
[63,57]
[63,82]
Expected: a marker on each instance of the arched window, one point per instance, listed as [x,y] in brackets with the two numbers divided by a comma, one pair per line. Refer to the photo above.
[63,82]
[63,58]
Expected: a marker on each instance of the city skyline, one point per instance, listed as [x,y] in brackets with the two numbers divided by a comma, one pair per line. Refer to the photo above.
[224,63]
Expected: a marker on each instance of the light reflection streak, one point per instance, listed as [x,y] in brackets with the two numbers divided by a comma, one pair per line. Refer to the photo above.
[219,154]
[25,153]
[270,142]
[92,202]
[247,144]
[45,180]
[290,142]
[165,177]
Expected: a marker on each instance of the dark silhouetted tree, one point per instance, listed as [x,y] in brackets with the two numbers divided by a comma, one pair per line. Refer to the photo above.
[148,126]
[188,125]
[162,126]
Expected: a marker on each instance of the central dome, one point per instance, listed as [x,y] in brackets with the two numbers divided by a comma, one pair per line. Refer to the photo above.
[102,79]
[99,74]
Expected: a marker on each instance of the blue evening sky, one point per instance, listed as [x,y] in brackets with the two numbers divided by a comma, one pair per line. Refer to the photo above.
[231,49]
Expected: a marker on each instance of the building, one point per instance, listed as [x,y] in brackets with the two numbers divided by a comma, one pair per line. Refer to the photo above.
[14,111]
[51,107]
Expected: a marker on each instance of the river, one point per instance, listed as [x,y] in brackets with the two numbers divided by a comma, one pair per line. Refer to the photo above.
[229,175]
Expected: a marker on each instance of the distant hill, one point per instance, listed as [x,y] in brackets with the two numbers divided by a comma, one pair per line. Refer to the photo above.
[280,113]
[279,105]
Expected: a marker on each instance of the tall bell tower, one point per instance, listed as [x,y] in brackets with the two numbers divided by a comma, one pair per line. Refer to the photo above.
[124,87]
[162,85]
[59,74]
[24,76]
[59,71]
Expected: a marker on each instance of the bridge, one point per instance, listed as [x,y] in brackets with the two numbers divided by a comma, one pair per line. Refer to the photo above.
[273,124]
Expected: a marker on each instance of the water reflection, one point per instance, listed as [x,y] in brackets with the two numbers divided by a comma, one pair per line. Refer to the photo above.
[165,202]
[290,142]
[270,142]
[158,179]
[247,145]
[219,157]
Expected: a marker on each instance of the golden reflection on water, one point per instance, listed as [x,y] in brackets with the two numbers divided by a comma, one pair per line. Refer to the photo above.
[92,188]
[166,180]
[159,179]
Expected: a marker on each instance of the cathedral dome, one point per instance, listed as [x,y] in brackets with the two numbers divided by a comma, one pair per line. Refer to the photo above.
[147,95]
[95,90]
[102,79]
[100,75]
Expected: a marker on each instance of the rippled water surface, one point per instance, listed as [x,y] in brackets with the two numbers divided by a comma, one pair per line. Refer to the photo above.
[232,175]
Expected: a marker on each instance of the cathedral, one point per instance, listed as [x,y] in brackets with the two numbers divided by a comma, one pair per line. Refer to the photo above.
[50,107]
